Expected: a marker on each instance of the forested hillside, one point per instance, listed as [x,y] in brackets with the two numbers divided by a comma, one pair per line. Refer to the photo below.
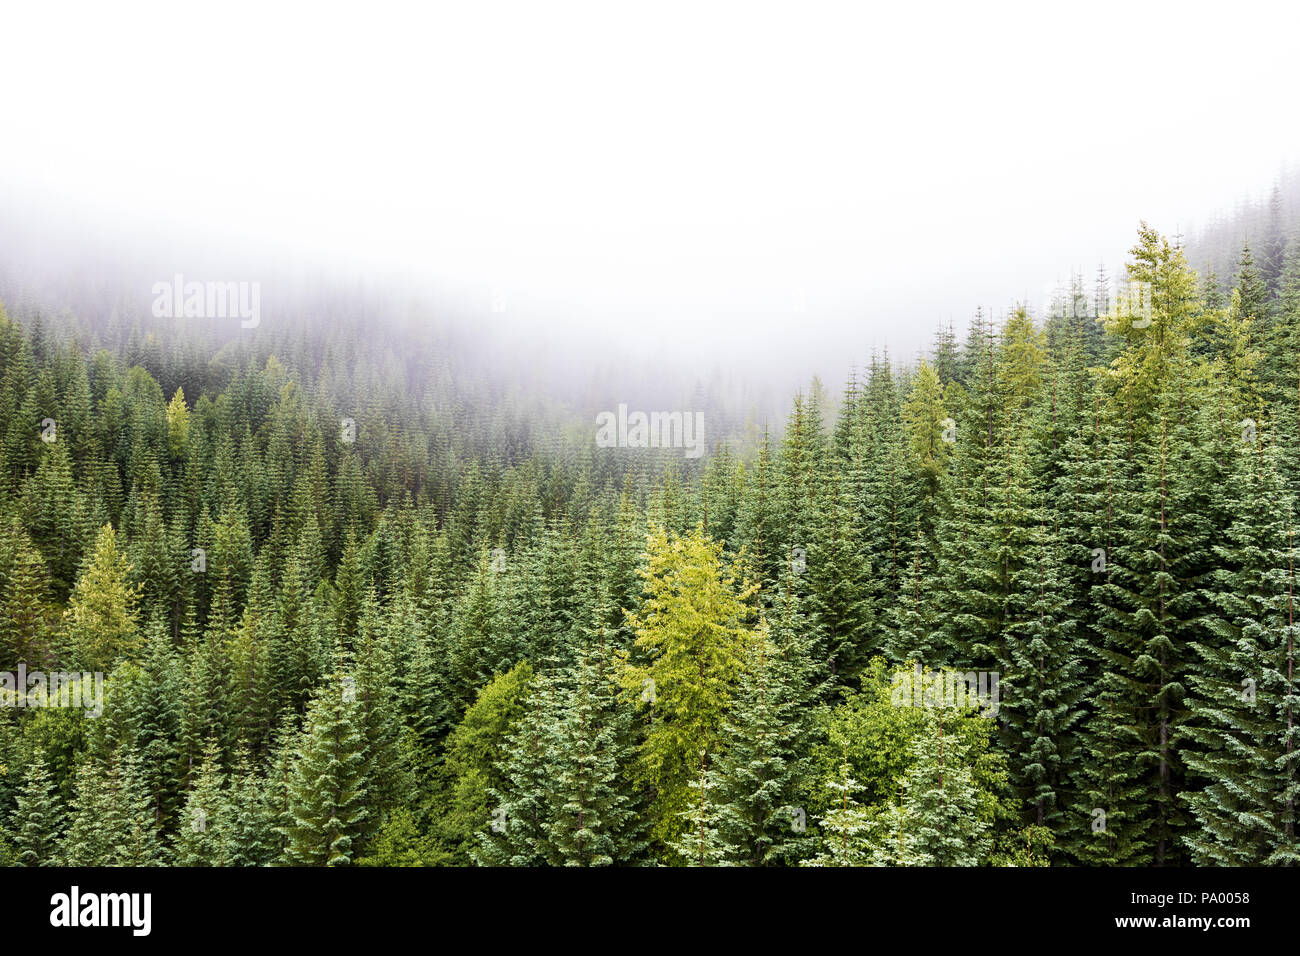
[1261,226]
[355,605]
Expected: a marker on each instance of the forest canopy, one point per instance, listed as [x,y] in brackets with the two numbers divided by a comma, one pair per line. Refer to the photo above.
[350,602]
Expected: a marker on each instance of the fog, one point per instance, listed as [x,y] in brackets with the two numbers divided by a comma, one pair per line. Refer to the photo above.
[770,191]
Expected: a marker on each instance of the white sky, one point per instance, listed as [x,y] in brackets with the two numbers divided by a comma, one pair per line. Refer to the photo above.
[679,171]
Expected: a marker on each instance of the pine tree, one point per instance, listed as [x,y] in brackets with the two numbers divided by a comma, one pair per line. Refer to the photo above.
[1040,685]
[138,841]
[470,772]
[937,821]
[248,836]
[758,529]
[327,790]
[836,571]
[94,821]
[515,831]
[24,590]
[112,820]
[846,828]
[701,842]
[690,633]
[760,773]
[593,815]
[38,819]
[1244,695]
[101,616]
[388,782]
[201,837]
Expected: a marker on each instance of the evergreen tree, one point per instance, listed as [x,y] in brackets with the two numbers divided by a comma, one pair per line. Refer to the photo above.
[759,775]
[690,633]
[201,837]
[38,819]
[845,828]
[327,789]
[101,615]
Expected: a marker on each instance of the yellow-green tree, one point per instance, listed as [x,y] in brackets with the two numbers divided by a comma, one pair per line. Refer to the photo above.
[926,418]
[1022,360]
[691,633]
[101,615]
[1157,316]
[178,425]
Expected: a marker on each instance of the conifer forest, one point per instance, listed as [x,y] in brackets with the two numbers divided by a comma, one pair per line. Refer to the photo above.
[1028,600]
[539,447]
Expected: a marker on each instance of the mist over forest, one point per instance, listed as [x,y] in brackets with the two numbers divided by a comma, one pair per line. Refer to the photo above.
[79,273]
